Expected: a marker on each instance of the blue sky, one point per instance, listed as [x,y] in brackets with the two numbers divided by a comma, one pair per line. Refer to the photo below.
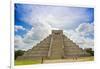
[35,22]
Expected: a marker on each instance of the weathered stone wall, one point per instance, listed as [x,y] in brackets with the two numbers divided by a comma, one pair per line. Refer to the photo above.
[39,51]
[71,49]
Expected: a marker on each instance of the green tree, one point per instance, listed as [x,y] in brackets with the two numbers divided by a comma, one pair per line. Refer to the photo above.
[18,53]
[89,50]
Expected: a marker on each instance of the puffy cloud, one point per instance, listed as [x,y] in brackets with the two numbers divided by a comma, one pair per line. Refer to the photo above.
[18,41]
[86,29]
[21,43]
[33,36]
[79,35]
[19,28]
[56,16]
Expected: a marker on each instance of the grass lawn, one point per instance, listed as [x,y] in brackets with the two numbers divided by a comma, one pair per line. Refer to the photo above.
[87,58]
[27,62]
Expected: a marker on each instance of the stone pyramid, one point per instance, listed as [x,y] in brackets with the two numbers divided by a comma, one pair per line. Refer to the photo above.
[55,46]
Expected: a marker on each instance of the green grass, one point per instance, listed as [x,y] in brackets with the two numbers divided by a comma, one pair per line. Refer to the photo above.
[27,62]
[87,58]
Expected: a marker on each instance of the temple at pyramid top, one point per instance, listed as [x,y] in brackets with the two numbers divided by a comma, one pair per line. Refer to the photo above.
[57,32]
[55,46]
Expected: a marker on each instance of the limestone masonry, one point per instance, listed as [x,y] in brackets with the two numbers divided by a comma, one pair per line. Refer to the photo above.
[55,46]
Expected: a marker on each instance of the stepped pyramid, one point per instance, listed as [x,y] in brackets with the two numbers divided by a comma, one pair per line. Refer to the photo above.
[55,46]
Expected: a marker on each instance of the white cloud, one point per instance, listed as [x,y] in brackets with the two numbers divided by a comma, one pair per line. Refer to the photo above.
[37,33]
[19,28]
[85,29]
[57,17]
[63,22]
[79,35]
[20,43]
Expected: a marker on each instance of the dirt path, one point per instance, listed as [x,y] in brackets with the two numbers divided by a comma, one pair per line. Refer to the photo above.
[69,60]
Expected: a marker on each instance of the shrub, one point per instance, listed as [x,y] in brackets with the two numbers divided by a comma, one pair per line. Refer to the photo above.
[18,53]
[89,50]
